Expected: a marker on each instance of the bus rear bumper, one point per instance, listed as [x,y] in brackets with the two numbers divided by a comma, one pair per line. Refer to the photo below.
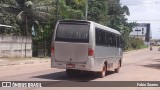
[90,65]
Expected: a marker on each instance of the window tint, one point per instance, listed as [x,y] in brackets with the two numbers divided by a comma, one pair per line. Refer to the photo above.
[73,33]
[106,38]
[110,39]
[98,36]
[102,40]
[118,41]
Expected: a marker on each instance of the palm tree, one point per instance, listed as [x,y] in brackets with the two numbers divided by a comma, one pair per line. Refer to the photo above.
[6,18]
[80,2]
[30,11]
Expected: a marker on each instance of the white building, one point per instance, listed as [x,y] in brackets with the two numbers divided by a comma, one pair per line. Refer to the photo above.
[142,31]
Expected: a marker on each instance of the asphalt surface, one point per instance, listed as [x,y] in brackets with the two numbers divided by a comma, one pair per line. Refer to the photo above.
[140,65]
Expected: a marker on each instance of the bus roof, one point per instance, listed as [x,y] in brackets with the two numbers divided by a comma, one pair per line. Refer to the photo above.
[105,28]
[94,23]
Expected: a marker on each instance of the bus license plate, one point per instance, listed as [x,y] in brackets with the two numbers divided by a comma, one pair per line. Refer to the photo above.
[70,65]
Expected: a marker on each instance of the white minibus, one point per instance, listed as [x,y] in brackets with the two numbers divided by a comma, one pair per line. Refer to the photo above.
[80,45]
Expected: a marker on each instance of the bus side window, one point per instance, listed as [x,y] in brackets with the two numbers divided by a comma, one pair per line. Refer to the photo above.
[109,39]
[121,42]
[102,37]
[114,40]
[118,41]
[98,36]
[106,38]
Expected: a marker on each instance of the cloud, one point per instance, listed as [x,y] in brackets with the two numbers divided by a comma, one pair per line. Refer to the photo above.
[145,11]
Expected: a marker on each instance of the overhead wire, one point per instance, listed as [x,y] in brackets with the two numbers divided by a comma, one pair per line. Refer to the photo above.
[133,4]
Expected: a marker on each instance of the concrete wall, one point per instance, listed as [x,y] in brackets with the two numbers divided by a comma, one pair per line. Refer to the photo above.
[14,46]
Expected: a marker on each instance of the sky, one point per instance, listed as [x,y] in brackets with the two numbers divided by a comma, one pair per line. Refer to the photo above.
[145,11]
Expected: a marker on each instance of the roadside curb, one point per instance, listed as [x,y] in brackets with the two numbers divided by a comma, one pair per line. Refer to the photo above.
[9,63]
[38,60]
[134,51]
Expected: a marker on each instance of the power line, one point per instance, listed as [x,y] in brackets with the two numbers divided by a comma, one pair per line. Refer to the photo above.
[150,3]
[158,20]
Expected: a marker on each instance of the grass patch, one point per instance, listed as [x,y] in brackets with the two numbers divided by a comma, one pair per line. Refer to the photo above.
[143,46]
[140,47]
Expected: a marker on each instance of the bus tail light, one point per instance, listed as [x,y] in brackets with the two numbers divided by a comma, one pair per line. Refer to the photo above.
[52,50]
[90,52]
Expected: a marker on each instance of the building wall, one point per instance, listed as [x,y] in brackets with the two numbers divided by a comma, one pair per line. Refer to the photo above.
[14,46]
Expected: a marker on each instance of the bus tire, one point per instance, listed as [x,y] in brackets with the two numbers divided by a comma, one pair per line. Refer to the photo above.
[117,69]
[103,72]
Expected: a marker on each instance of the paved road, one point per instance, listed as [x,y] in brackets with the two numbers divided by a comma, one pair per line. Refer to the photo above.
[140,65]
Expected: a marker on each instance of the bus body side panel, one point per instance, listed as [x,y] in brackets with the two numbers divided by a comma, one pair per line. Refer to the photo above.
[108,54]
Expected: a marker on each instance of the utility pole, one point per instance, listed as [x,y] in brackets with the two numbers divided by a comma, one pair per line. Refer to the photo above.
[26,37]
[86,12]
[57,8]
[1,4]
[137,34]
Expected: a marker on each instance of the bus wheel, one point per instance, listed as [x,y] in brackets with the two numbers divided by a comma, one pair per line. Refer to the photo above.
[103,72]
[117,69]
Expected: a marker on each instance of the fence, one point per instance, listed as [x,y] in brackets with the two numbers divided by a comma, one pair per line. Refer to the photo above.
[15,46]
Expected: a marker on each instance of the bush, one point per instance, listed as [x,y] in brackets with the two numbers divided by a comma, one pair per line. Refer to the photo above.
[134,43]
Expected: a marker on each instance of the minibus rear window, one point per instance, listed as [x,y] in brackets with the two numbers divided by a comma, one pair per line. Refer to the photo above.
[72,33]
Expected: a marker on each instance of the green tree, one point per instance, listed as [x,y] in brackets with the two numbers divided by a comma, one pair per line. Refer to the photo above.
[7,18]
[98,11]
[29,14]
[40,16]
[68,10]
[29,11]
[107,12]
[117,20]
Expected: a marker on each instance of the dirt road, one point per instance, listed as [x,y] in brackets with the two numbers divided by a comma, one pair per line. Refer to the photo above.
[140,65]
